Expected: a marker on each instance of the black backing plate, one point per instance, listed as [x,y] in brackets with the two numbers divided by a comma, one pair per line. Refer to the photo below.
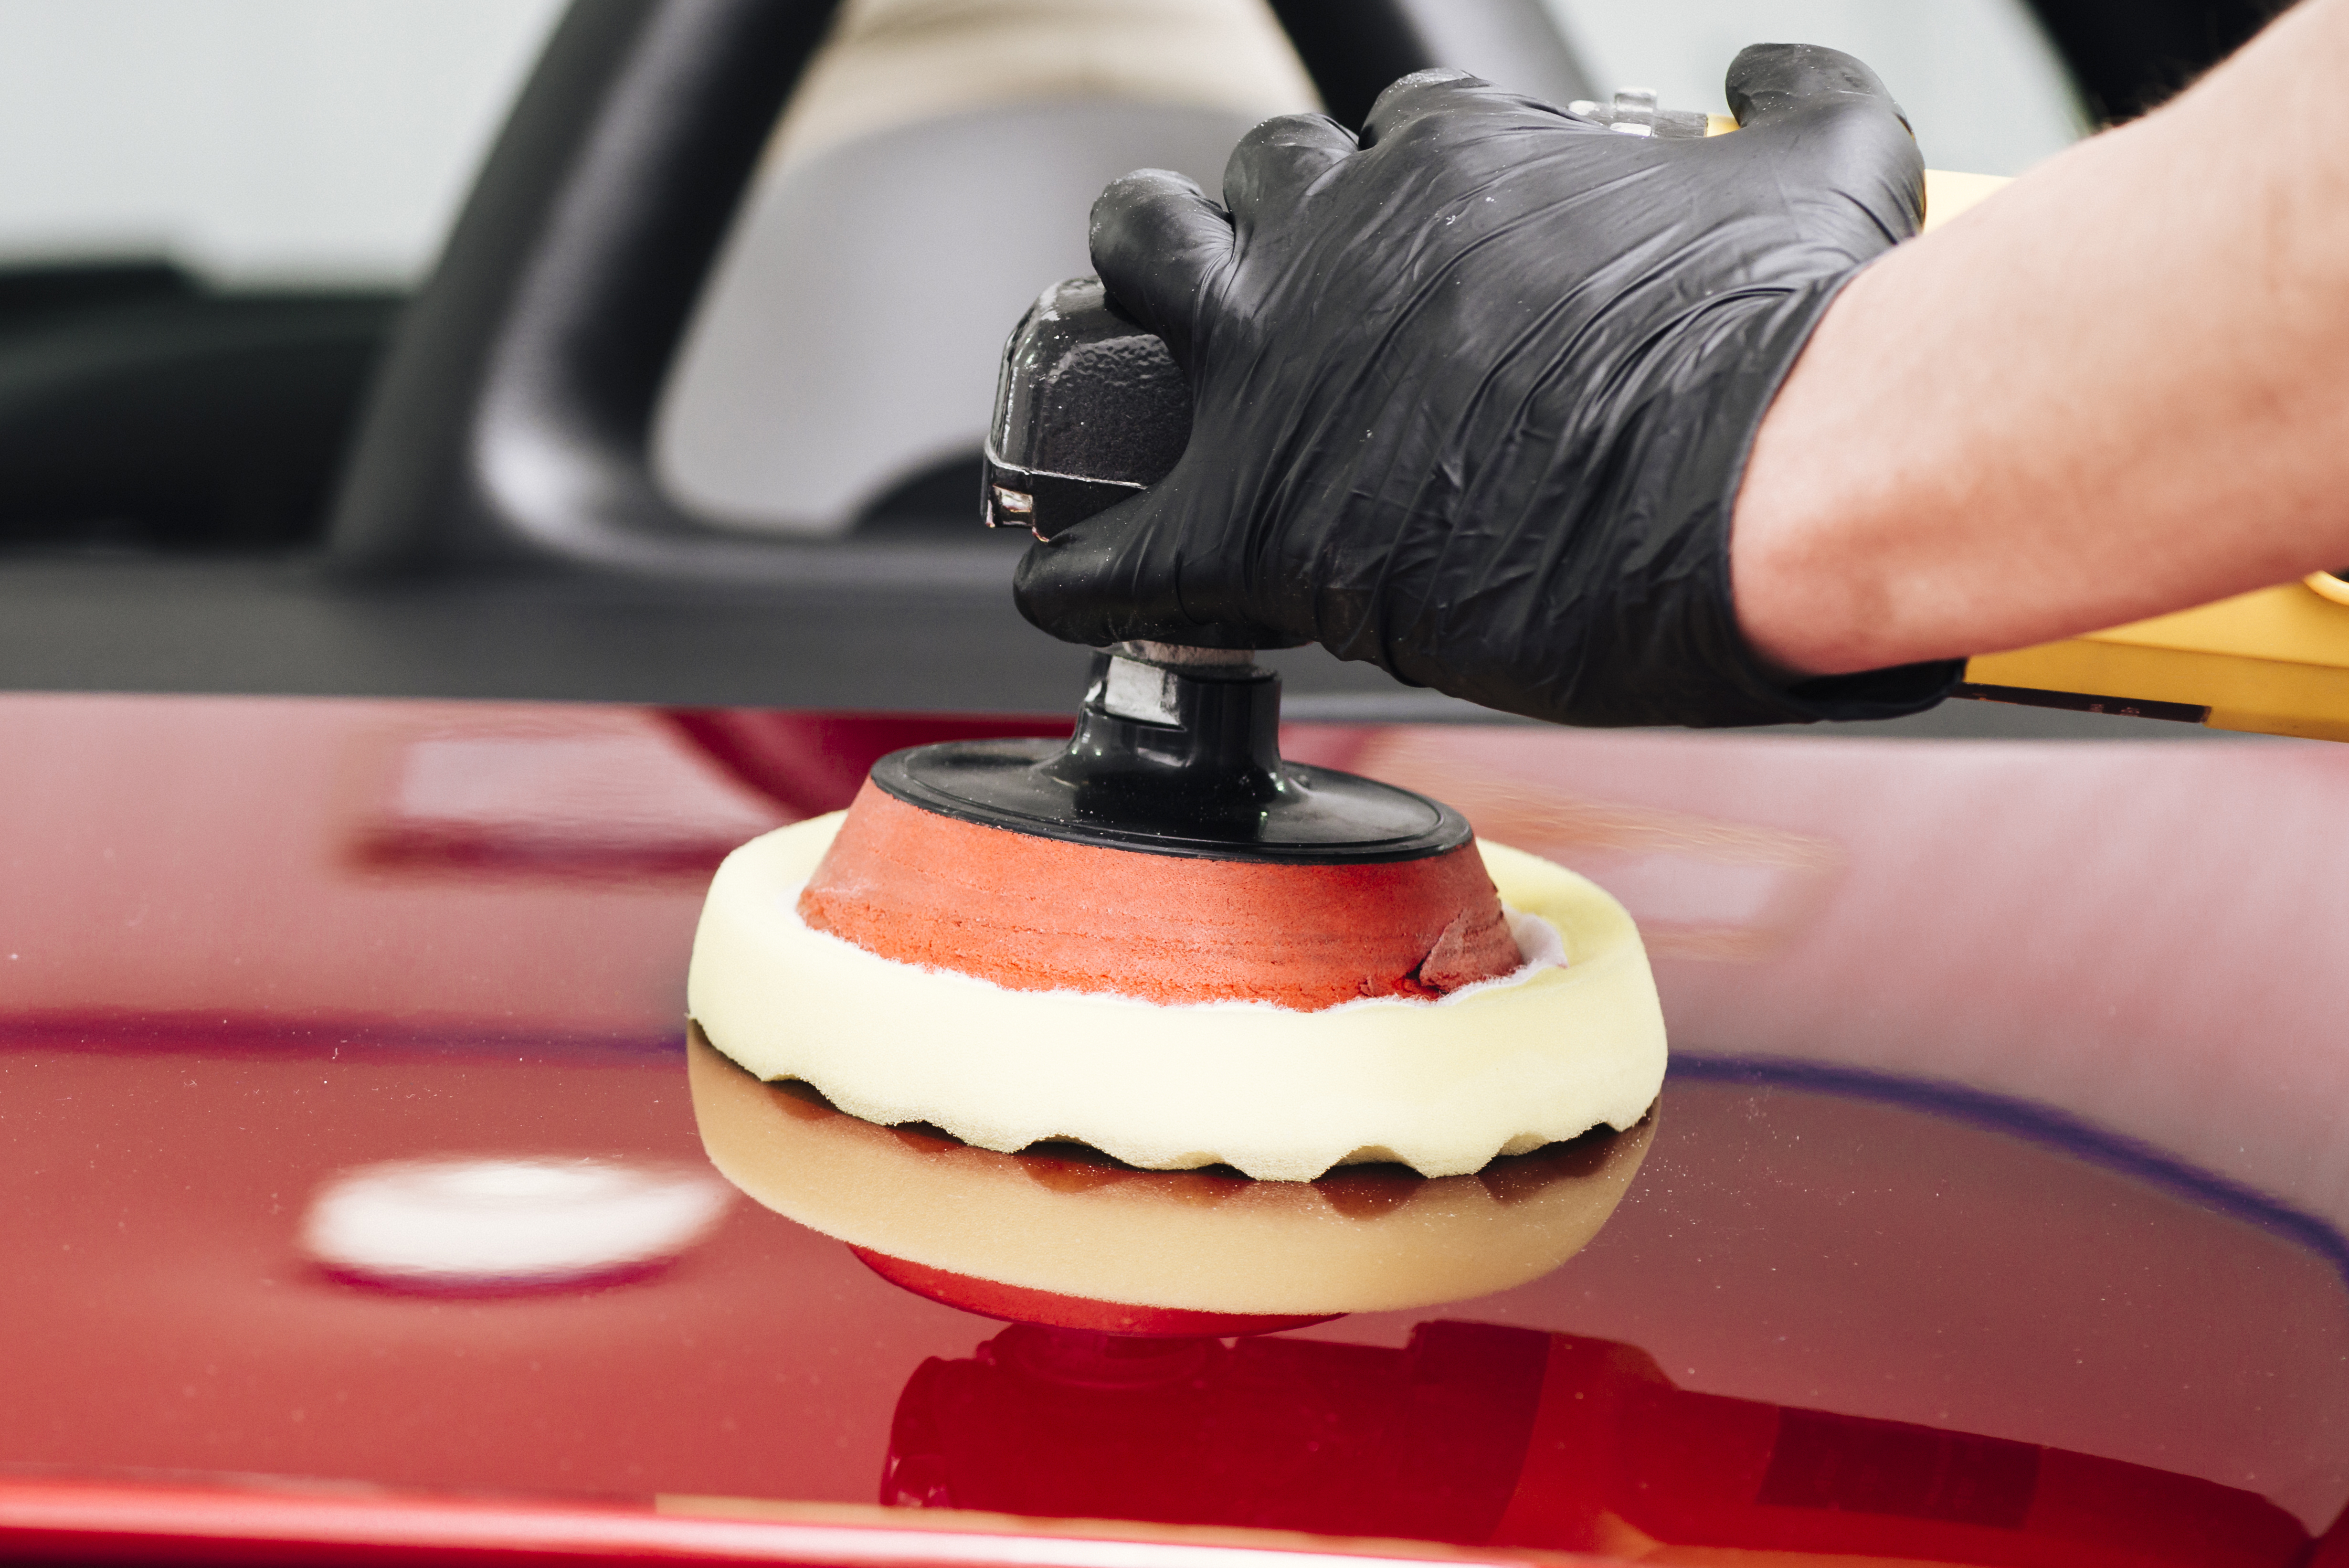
[1321,817]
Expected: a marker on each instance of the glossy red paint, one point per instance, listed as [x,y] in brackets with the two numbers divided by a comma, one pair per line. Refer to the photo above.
[2006,1109]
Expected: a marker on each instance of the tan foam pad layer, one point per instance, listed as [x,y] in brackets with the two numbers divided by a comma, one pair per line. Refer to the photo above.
[1359,1241]
[1441,1085]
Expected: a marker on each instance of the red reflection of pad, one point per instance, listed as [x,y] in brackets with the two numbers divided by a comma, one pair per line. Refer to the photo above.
[1017,1304]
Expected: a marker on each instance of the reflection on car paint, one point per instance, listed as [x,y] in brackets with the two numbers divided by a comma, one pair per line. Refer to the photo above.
[1121,1393]
[1706,886]
[571,796]
[488,1225]
[1483,1434]
[1063,1234]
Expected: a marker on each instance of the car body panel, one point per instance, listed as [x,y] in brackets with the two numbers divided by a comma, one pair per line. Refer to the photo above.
[2004,1105]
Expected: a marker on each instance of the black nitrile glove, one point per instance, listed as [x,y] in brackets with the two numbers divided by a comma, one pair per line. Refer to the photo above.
[1472,399]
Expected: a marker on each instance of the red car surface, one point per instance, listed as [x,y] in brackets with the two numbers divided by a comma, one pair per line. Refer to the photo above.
[1994,1210]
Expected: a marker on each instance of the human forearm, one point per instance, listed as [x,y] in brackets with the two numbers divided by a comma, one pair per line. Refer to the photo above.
[2111,392]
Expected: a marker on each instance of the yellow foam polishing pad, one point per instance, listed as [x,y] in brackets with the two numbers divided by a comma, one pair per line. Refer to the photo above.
[1444,1086]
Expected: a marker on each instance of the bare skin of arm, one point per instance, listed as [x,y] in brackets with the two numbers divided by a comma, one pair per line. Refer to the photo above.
[2118,388]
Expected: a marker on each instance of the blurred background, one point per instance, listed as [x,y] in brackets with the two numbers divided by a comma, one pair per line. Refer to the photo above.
[619,349]
[330,141]
[254,142]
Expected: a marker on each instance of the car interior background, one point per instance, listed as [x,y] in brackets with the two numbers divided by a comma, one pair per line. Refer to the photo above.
[300,396]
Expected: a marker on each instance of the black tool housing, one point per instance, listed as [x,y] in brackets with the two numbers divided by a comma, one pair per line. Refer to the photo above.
[1090,409]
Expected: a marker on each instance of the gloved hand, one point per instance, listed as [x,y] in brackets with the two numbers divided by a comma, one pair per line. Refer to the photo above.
[1472,399]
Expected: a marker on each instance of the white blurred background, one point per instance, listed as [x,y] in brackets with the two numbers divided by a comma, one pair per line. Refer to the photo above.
[841,358]
[254,140]
[331,141]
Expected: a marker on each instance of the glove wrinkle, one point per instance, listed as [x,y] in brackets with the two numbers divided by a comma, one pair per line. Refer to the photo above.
[1474,394]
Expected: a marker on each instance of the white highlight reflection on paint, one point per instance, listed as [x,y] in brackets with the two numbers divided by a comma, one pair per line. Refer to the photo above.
[455,1224]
